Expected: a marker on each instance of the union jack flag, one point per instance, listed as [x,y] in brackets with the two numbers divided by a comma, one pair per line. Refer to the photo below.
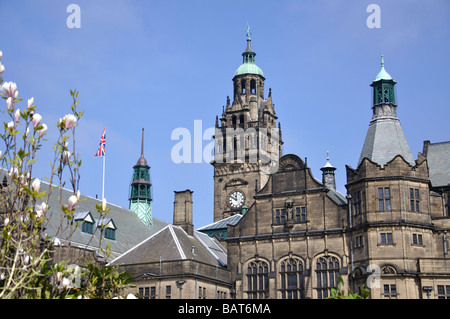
[101,148]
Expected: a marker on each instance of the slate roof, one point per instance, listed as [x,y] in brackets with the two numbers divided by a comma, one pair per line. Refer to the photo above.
[385,140]
[438,157]
[222,224]
[130,230]
[173,243]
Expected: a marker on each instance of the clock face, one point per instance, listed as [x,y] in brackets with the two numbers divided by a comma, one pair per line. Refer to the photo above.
[236,199]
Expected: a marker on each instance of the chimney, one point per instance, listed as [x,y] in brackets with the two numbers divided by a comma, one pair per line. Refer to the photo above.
[182,211]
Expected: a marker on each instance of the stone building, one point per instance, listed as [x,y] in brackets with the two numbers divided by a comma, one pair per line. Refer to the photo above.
[298,234]
[178,262]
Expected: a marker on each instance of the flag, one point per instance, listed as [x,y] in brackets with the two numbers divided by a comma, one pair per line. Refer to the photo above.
[101,148]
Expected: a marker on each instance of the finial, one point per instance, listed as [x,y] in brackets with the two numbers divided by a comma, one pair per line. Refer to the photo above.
[328,156]
[142,143]
[382,60]
[249,33]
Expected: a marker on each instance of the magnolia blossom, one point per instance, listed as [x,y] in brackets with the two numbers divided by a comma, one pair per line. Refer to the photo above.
[69,121]
[30,102]
[10,126]
[17,115]
[6,221]
[41,210]
[65,157]
[78,194]
[2,68]
[42,131]
[36,120]
[13,172]
[36,185]
[9,103]
[72,202]
[10,89]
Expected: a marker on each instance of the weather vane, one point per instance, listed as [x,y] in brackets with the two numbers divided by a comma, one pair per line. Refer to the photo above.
[249,33]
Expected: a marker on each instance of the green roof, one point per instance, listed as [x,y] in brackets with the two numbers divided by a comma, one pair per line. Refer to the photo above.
[247,68]
[382,75]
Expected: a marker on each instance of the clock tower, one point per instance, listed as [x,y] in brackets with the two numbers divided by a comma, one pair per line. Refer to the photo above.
[248,142]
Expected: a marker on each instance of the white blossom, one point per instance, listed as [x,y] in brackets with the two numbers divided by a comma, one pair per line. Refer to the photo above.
[43,130]
[9,103]
[65,157]
[17,115]
[30,102]
[72,202]
[36,120]
[9,88]
[36,185]
[69,121]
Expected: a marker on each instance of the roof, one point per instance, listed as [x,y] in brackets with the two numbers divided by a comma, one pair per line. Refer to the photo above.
[173,243]
[247,68]
[129,229]
[382,75]
[385,140]
[438,157]
[222,224]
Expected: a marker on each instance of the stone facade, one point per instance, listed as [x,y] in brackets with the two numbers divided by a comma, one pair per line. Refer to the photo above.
[299,234]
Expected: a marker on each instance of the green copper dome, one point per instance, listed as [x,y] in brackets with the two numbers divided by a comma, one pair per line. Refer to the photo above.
[382,75]
[248,65]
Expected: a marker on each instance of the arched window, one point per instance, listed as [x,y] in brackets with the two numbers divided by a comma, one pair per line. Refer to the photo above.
[257,280]
[253,86]
[327,272]
[292,285]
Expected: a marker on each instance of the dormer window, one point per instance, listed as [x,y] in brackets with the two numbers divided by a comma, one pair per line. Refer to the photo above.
[109,228]
[87,221]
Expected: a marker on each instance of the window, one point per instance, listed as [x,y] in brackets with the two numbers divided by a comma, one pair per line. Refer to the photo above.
[110,233]
[357,203]
[152,292]
[417,239]
[300,214]
[291,279]
[144,292]
[386,239]
[359,241]
[390,290]
[384,199]
[168,292]
[87,227]
[327,272]
[443,292]
[258,280]
[414,199]
[280,216]
[201,292]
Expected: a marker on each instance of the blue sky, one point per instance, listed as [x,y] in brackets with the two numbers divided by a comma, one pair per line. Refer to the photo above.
[162,65]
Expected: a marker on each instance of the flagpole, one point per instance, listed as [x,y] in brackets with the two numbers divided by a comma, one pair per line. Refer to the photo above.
[103,182]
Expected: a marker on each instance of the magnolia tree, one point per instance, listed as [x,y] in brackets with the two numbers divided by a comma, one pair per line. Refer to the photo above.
[27,269]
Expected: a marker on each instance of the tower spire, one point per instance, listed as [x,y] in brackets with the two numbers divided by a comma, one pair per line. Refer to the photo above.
[328,177]
[141,189]
[385,138]
[142,143]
